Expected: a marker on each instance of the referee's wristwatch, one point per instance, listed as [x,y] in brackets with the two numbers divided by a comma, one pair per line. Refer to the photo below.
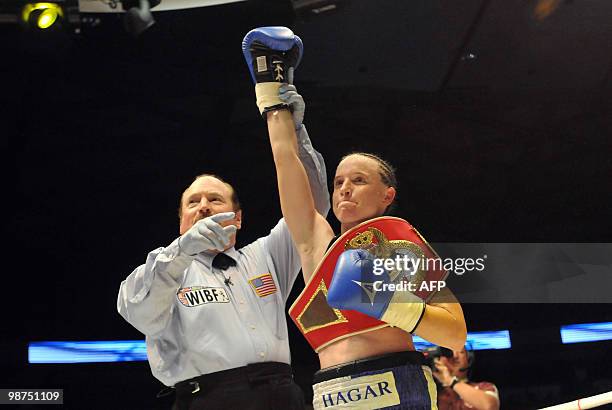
[454,381]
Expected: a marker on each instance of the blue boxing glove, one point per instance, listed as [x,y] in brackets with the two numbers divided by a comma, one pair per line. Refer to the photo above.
[357,285]
[352,285]
[271,53]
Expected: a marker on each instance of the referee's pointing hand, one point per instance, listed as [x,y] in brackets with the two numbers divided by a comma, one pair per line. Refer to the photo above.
[208,234]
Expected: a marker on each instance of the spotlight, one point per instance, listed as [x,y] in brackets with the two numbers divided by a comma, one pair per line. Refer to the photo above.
[138,15]
[42,15]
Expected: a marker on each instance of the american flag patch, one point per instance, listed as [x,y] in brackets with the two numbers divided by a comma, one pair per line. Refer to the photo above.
[263,285]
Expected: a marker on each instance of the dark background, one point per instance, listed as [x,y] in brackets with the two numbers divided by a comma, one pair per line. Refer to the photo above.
[497,115]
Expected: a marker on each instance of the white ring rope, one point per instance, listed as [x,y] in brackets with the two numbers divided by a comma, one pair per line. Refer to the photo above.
[585,403]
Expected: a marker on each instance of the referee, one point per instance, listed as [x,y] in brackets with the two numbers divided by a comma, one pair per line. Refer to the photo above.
[214,316]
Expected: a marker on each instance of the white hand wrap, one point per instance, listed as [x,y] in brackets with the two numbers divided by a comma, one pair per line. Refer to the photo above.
[267,96]
[405,311]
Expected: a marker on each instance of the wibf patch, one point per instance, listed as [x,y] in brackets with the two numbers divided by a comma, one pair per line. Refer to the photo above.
[200,295]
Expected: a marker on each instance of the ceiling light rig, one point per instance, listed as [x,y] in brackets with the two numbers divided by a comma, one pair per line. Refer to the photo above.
[138,17]
[307,9]
[48,16]
[42,15]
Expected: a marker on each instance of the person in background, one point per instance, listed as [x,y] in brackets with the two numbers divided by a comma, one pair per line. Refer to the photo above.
[457,391]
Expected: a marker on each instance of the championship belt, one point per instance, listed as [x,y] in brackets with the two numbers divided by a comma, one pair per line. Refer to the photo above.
[384,237]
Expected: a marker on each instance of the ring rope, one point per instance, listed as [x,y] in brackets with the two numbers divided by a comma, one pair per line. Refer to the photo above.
[584,403]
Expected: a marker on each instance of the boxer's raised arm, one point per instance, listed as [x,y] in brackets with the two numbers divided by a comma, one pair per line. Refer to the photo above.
[308,228]
[272,53]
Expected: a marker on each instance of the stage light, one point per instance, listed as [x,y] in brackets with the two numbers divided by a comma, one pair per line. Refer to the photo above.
[42,15]
[87,352]
[136,350]
[586,332]
[489,340]
[138,17]
[544,8]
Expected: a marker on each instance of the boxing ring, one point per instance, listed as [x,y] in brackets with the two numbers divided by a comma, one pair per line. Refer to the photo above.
[584,403]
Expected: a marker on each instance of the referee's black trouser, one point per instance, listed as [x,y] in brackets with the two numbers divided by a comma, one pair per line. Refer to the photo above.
[259,386]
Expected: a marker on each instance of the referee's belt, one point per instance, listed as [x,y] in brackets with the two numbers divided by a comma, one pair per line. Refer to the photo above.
[369,364]
[251,376]
[384,237]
